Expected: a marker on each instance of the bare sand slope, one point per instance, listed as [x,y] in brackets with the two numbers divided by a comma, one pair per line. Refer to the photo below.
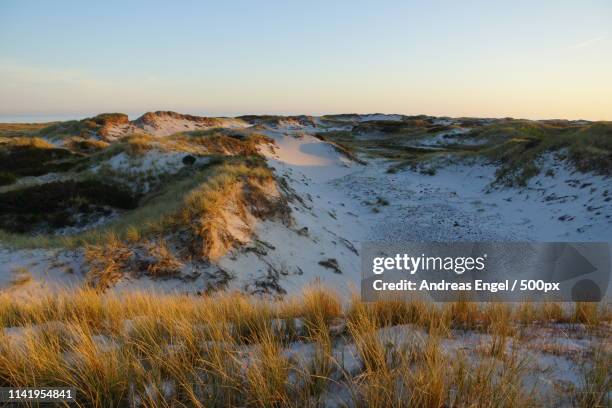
[324,241]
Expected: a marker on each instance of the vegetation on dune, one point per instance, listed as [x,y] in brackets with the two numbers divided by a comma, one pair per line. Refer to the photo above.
[235,193]
[52,196]
[396,127]
[278,119]
[85,145]
[146,218]
[401,149]
[229,349]
[53,205]
[68,129]
[343,138]
[590,148]
[515,145]
[105,118]
[210,219]
[32,156]
[596,380]
[343,142]
[96,125]
[211,204]
[164,194]
[151,118]
[21,129]
[217,142]
[203,143]
[25,142]
[206,209]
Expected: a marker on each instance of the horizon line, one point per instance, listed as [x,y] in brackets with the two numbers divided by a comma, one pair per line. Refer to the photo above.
[64,117]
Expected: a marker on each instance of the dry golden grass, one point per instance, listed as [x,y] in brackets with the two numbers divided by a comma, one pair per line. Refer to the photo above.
[422,375]
[30,142]
[596,381]
[139,144]
[222,211]
[551,312]
[228,349]
[587,313]
[85,145]
[216,142]
[214,217]
[107,262]
[491,383]
[267,375]
[21,129]
[319,305]
[163,262]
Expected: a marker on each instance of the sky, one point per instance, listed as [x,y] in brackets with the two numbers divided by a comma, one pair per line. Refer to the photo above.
[525,59]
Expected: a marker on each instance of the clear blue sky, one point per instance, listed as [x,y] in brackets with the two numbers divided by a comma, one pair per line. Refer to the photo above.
[537,59]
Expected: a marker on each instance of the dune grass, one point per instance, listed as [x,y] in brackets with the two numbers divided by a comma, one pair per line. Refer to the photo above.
[21,129]
[156,211]
[214,215]
[230,349]
[82,128]
[25,142]
[513,144]
[517,146]
[224,153]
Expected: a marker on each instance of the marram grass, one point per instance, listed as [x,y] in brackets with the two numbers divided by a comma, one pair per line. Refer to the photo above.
[229,349]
